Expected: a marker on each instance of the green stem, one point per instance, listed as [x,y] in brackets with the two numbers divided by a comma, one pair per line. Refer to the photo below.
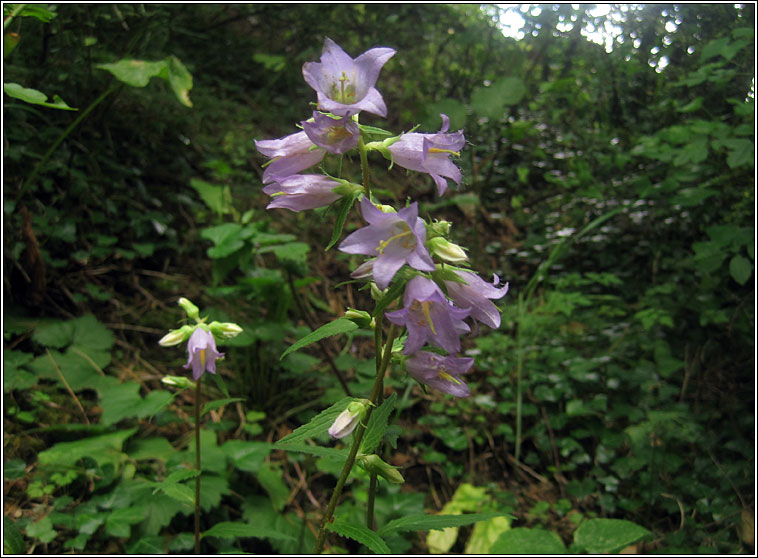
[380,397]
[60,139]
[17,10]
[364,167]
[197,465]
[357,436]
[519,367]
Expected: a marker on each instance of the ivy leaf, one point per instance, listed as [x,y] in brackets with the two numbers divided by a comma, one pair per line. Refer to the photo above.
[336,327]
[359,533]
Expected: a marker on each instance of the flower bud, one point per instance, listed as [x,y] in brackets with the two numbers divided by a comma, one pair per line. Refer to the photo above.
[345,187]
[438,228]
[178,381]
[192,311]
[225,330]
[361,318]
[386,208]
[348,419]
[176,336]
[446,250]
[374,464]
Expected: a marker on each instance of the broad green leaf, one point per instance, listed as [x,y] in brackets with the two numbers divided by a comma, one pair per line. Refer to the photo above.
[741,152]
[119,521]
[34,97]
[146,545]
[212,489]
[377,424]
[741,269]
[103,449]
[485,534]
[601,536]
[55,334]
[228,238]
[491,101]
[212,405]
[233,530]
[151,448]
[424,522]
[14,376]
[336,327]
[293,256]
[37,11]
[523,540]
[452,108]
[180,80]
[247,455]
[359,533]
[136,73]
[42,530]
[218,198]
[317,425]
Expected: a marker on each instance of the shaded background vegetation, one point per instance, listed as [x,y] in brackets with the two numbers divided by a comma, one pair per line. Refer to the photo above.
[613,190]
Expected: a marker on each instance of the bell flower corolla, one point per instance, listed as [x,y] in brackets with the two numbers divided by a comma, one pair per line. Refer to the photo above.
[429,316]
[440,372]
[429,153]
[394,238]
[301,191]
[476,294]
[345,86]
[289,155]
[335,135]
[202,353]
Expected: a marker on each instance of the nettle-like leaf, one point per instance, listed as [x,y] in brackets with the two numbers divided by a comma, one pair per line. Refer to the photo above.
[424,522]
[359,533]
[336,327]
[138,73]
[317,425]
[377,425]
[233,530]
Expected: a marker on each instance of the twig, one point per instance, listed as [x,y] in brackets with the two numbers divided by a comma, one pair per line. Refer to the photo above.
[68,387]
[526,468]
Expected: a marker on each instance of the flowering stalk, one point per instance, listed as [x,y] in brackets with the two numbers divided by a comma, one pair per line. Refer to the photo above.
[197,466]
[383,362]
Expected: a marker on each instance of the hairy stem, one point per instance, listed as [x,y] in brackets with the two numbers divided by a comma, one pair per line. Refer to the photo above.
[358,435]
[364,167]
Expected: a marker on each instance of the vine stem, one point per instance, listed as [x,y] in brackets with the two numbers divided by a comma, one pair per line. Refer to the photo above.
[197,465]
[358,435]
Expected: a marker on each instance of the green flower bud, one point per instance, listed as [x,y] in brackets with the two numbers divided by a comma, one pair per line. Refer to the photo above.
[193,312]
[438,228]
[360,318]
[446,250]
[374,464]
[176,336]
[178,381]
[225,330]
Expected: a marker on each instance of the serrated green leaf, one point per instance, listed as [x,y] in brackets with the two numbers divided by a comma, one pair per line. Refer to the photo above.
[359,533]
[601,536]
[317,425]
[212,405]
[233,530]
[217,198]
[179,492]
[55,334]
[247,456]
[328,453]
[181,475]
[377,425]
[523,540]
[13,542]
[336,327]
[424,522]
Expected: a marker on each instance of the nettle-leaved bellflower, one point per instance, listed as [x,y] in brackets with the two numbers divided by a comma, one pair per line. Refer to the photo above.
[430,153]
[202,353]
[290,155]
[345,86]
[440,372]
[476,294]
[335,135]
[394,238]
[301,191]
[429,316]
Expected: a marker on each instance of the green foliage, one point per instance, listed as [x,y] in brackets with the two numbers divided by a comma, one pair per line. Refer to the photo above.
[336,327]
[360,533]
[523,540]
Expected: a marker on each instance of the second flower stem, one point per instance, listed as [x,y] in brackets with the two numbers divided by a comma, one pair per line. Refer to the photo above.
[197,466]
